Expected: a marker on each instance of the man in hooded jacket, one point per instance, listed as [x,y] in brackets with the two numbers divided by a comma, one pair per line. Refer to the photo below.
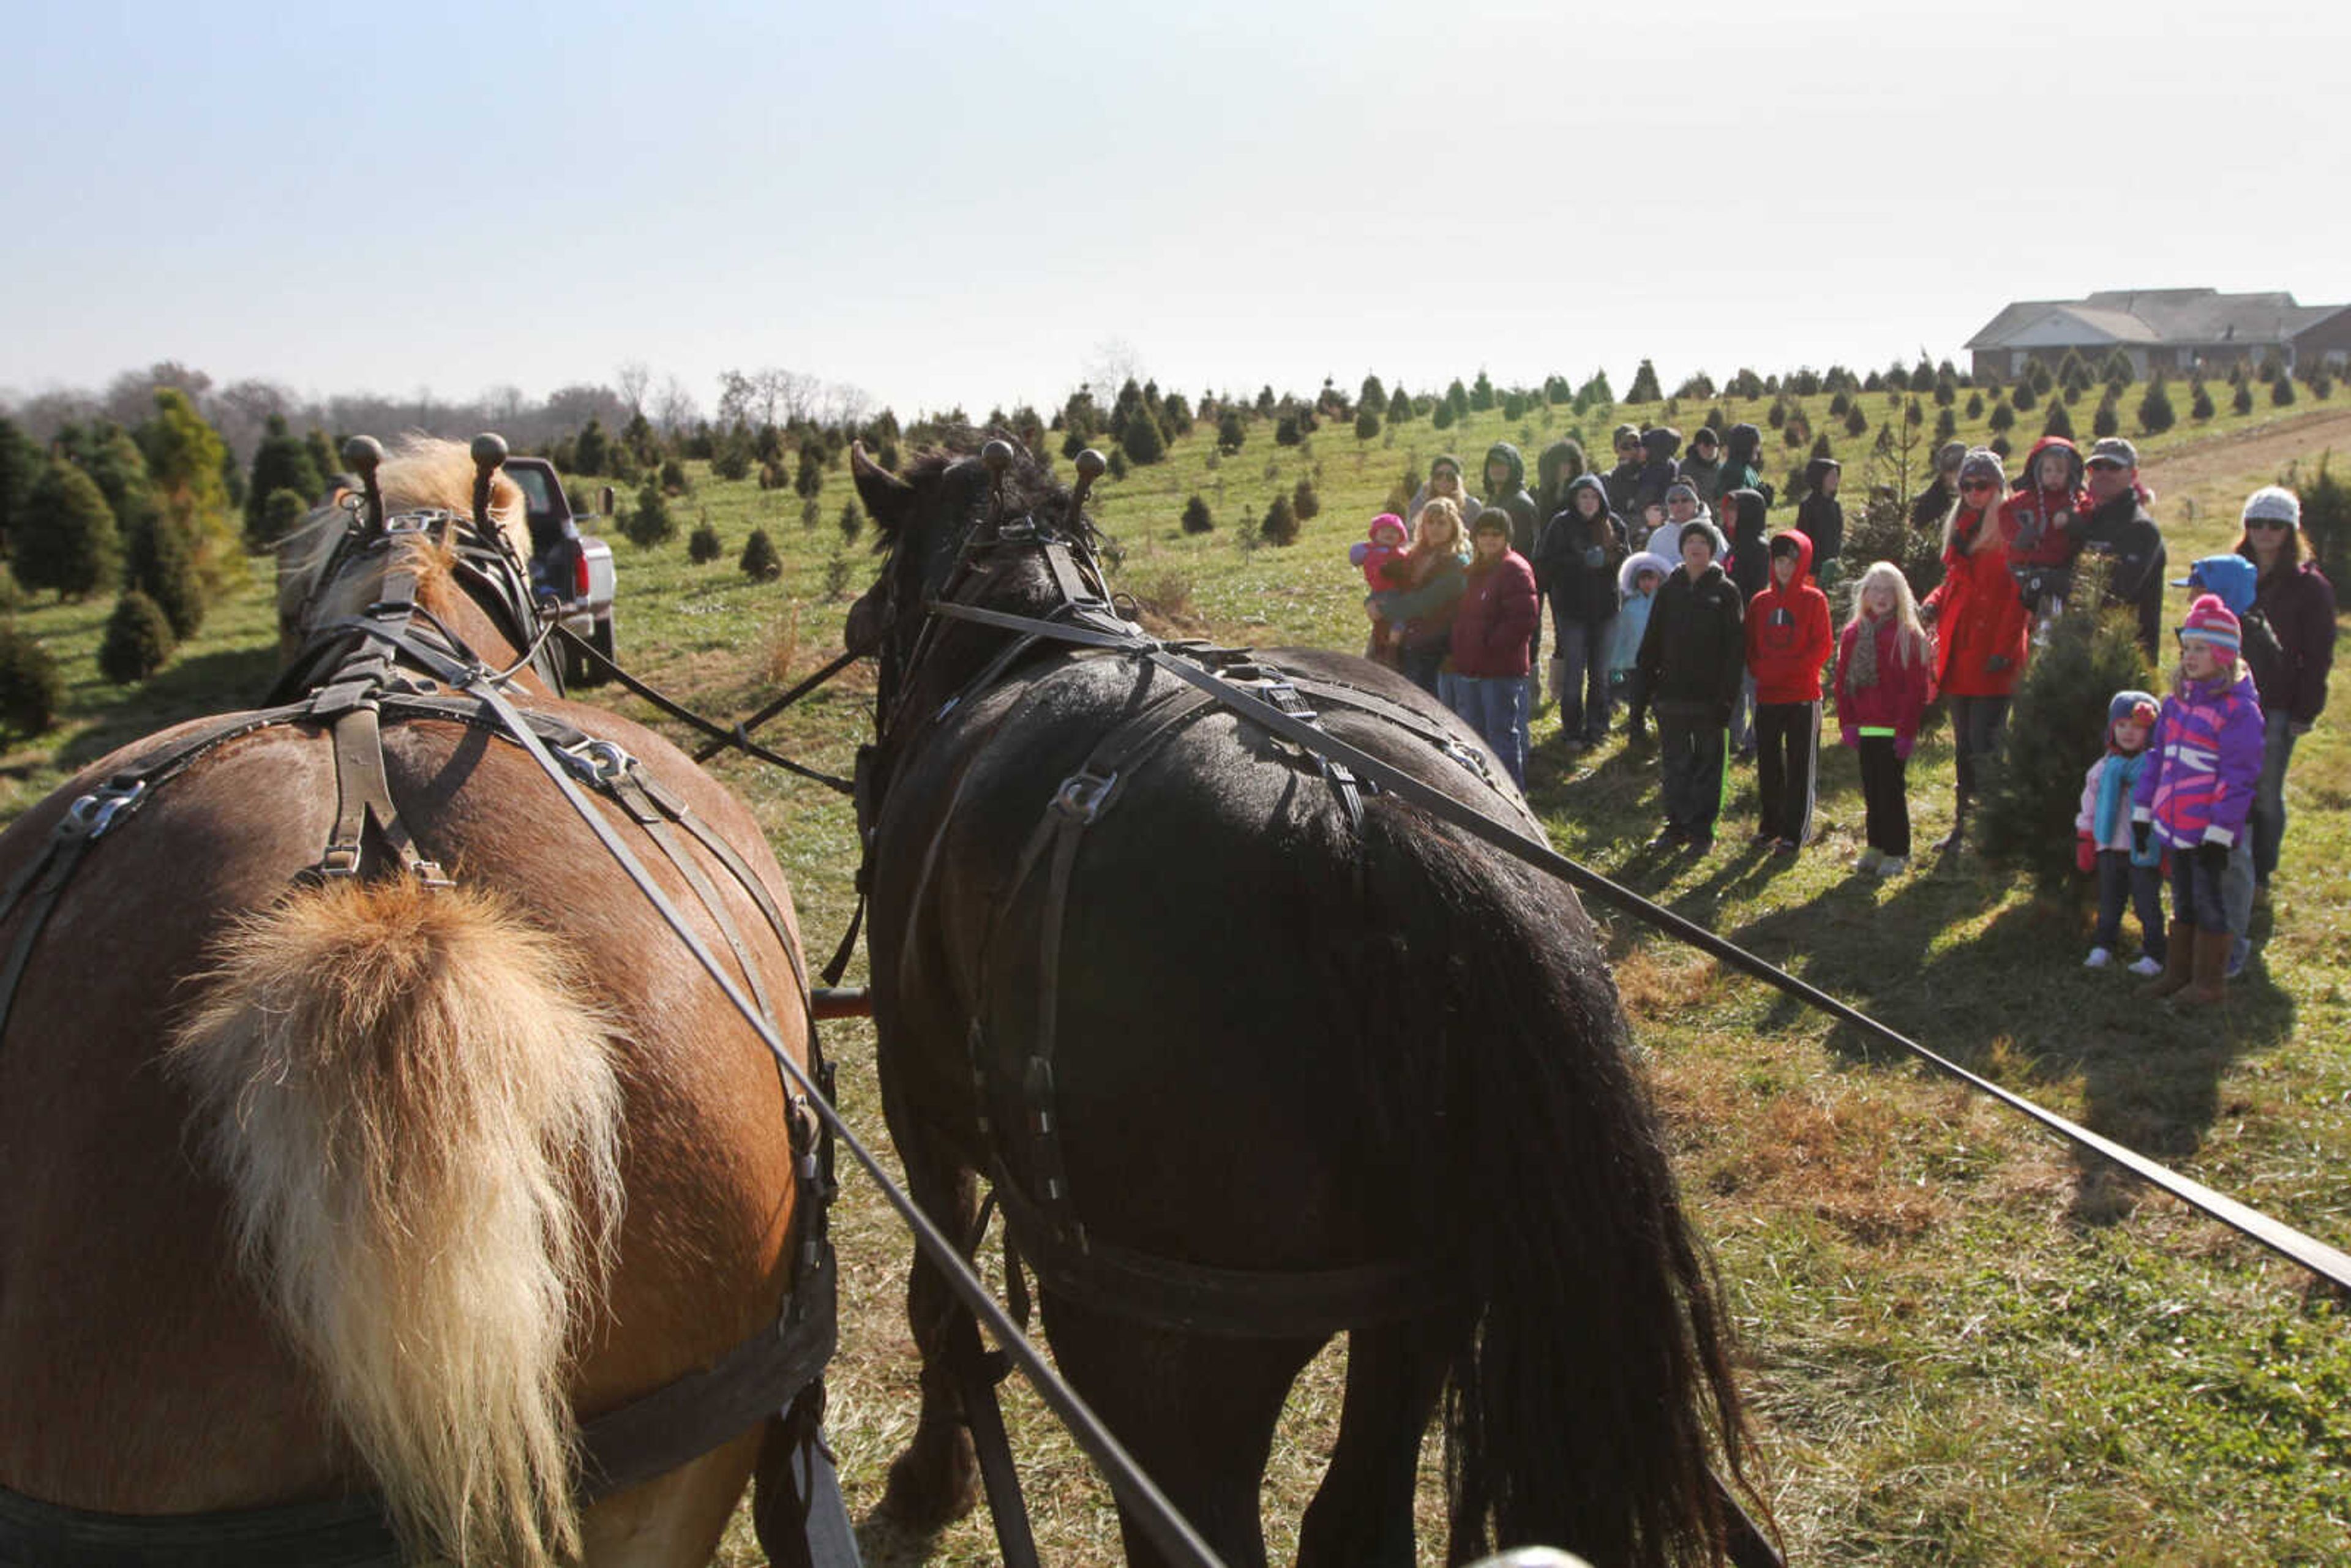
[1506,490]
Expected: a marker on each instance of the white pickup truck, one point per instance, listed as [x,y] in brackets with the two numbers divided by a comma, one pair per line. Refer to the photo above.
[575,568]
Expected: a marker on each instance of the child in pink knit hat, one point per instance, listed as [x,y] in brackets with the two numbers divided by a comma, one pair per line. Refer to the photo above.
[2195,792]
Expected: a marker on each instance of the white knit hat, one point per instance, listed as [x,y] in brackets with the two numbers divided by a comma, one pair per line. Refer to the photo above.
[2274,504]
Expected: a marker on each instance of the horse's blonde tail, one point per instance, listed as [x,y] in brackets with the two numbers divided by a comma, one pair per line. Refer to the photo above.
[419,1113]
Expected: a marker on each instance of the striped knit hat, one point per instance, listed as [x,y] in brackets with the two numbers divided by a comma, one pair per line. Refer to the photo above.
[2210,621]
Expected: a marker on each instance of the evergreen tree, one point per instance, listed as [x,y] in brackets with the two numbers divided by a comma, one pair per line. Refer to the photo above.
[138,639]
[1644,388]
[704,546]
[1400,409]
[67,538]
[810,481]
[2059,421]
[1374,395]
[2116,371]
[1367,422]
[1140,438]
[1594,393]
[282,462]
[160,563]
[2282,391]
[20,464]
[281,514]
[2243,401]
[1855,422]
[1230,433]
[1303,501]
[1820,447]
[325,458]
[1118,462]
[1441,416]
[1457,398]
[853,521]
[185,456]
[591,450]
[31,690]
[759,561]
[2108,420]
[1975,406]
[1197,516]
[1286,431]
[2031,795]
[1947,424]
[2200,406]
[1514,404]
[1481,394]
[649,522]
[2326,521]
[1280,525]
[2003,417]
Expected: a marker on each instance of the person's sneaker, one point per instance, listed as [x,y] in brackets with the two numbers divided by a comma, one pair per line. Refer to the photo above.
[2146,967]
[2099,958]
[1785,847]
[1869,859]
[1892,865]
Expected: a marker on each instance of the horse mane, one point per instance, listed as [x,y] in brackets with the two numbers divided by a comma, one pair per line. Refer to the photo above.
[1030,487]
[421,472]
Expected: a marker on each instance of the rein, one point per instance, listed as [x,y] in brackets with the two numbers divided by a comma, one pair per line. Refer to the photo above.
[2327,1262]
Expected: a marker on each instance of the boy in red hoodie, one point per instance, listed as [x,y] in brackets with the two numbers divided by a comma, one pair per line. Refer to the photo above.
[1787,640]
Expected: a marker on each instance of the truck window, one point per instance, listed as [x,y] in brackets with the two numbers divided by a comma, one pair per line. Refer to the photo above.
[534,490]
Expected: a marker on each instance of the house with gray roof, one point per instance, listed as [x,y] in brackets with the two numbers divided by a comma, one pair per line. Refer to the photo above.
[2169,329]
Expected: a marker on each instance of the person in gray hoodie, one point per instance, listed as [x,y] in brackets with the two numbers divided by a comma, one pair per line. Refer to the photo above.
[1505,491]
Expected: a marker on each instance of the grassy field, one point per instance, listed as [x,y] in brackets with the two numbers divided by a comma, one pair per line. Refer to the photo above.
[1964,1345]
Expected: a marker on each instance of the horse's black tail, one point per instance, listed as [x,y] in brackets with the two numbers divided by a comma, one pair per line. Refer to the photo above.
[1590,1403]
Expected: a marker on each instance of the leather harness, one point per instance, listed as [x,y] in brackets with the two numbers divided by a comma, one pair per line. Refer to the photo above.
[778,1368]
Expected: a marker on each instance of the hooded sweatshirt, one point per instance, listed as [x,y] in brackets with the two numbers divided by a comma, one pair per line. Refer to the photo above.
[1704,475]
[1751,565]
[1632,618]
[1742,454]
[1561,464]
[2043,524]
[1659,470]
[1819,516]
[1511,497]
[1577,560]
[1788,634]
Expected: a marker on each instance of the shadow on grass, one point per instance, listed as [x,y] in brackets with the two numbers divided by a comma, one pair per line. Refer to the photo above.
[222,682]
[1992,982]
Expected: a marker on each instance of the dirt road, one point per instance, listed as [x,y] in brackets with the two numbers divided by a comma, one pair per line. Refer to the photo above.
[2264,451]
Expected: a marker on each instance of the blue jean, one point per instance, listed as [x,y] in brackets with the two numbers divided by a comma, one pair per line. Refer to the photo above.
[1495,705]
[2268,822]
[1421,667]
[2140,887]
[1582,693]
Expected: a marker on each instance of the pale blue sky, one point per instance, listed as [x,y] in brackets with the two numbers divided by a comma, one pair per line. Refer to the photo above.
[949,204]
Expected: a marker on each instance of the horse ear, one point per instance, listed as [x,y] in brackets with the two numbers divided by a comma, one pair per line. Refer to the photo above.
[887,497]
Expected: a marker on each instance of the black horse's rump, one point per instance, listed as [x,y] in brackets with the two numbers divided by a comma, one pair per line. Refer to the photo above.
[1279,1037]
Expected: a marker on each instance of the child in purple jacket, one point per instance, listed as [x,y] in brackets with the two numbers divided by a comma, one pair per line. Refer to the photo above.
[2195,792]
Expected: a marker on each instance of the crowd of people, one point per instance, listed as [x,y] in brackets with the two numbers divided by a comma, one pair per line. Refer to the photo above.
[1667,598]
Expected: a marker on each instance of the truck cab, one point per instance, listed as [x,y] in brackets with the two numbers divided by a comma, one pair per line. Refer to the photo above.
[572,568]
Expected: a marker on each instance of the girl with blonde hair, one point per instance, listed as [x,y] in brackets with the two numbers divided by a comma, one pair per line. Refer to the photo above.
[1884,682]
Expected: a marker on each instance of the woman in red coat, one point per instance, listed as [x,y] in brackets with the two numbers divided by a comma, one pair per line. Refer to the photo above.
[1980,626]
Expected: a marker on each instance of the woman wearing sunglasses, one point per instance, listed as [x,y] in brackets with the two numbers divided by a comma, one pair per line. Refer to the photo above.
[2298,603]
[1980,624]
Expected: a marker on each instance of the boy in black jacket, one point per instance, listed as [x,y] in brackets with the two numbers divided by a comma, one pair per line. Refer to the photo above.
[1693,657]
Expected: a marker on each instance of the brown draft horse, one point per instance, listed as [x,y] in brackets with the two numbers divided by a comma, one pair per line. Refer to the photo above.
[1282,1041]
[375,1186]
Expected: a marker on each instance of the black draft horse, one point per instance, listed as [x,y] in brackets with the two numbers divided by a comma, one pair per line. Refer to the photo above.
[1286,1039]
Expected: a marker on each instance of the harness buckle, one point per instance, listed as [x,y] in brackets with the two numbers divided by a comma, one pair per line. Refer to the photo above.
[598,762]
[1082,795]
[91,815]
